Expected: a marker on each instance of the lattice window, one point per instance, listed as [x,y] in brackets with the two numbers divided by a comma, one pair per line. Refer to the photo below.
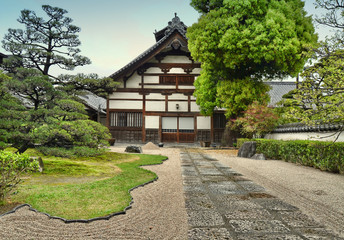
[172,80]
[126,119]
[220,120]
[186,80]
[167,80]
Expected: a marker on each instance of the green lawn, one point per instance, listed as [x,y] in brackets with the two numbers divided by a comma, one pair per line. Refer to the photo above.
[85,188]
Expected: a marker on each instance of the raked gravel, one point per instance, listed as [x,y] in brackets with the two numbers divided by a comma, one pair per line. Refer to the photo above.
[158,212]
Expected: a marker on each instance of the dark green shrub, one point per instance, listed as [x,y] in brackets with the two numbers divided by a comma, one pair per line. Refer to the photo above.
[323,155]
[71,152]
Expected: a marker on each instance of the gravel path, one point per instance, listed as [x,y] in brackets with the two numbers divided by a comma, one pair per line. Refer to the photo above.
[158,212]
[223,204]
[318,194]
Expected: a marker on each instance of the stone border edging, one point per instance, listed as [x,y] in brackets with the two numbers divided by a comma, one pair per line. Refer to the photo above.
[91,219]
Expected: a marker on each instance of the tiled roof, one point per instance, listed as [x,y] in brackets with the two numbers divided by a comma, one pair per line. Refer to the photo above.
[94,102]
[278,90]
[174,25]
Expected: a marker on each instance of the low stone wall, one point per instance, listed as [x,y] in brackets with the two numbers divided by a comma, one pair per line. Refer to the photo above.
[297,131]
[318,136]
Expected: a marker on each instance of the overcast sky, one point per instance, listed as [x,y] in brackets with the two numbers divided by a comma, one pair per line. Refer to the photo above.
[113,32]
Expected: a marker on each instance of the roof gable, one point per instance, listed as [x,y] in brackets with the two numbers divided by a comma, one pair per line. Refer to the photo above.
[174,39]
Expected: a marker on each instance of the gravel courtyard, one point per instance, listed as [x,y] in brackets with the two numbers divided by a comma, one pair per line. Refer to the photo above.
[159,210]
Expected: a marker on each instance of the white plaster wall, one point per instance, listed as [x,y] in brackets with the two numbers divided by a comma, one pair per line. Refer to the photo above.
[194,107]
[122,104]
[196,71]
[152,122]
[204,122]
[177,96]
[155,106]
[183,106]
[177,70]
[193,98]
[186,123]
[155,96]
[162,86]
[153,70]
[323,136]
[134,81]
[186,87]
[151,79]
[124,95]
[176,59]
[169,122]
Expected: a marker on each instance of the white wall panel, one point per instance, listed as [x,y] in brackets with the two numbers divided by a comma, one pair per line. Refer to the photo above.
[127,95]
[186,123]
[196,71]
[155,106]
[194,107]
[134,81]
[176,59]
[178,96]
[204,122]
[186,87]
[169,122]
[151,79]
[155,96]
[162,86]
[177,70]
[183,106]
[152,122]
[122,104]
[153,70]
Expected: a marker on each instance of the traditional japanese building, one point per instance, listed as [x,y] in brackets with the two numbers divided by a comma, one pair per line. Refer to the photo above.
[155,100]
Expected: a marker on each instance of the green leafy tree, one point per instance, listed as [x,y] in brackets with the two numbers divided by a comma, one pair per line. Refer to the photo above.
[46,43]
[247,41]
[319,98]
[12,166]
[256,121]
[321,92]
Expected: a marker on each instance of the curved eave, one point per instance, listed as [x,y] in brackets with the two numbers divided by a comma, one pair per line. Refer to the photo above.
[147,55]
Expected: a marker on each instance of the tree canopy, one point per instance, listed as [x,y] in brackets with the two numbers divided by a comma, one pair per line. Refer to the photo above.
[36,107]
[37,113]
[319,98]
[46,43]
[248,41]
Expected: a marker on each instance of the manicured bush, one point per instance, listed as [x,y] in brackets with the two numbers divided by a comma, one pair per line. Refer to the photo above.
[12,165]
[71,152]
[327,156]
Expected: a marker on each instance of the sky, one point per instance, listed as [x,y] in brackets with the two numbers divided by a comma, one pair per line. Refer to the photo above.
[113,32]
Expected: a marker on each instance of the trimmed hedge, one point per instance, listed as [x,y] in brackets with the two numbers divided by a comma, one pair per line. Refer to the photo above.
[327,156]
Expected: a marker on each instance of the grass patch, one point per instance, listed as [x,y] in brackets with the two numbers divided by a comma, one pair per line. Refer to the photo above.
[84,188]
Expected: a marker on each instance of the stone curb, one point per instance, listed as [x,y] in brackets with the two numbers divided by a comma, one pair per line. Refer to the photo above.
[91,219]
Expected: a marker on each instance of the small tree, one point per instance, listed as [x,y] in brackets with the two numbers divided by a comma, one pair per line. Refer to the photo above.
[12,166]
[257,120]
